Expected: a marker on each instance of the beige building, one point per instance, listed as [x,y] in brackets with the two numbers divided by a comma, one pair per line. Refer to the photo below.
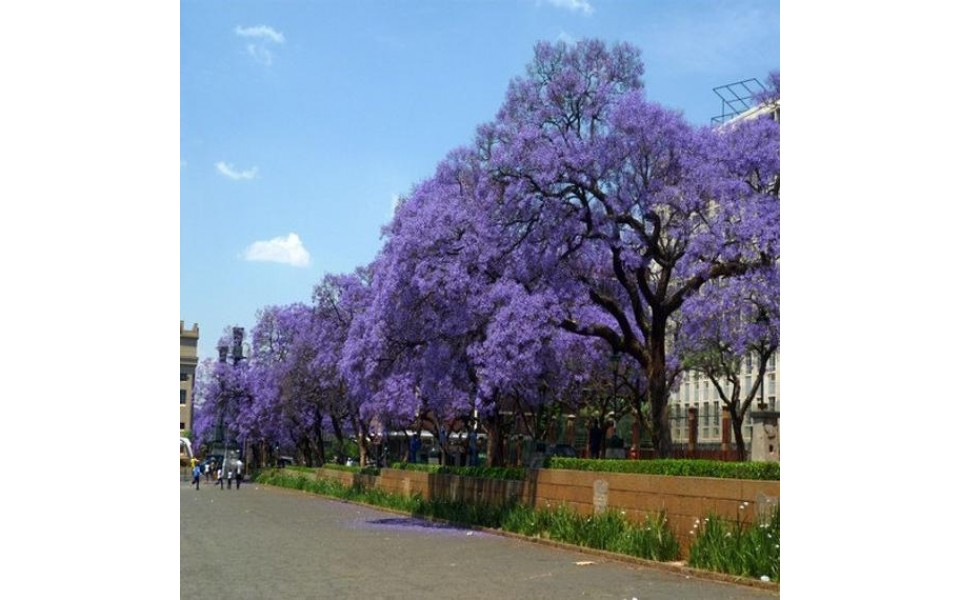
[696,391]
[188,371]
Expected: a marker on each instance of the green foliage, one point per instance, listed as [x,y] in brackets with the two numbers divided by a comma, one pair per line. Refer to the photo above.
[609,530]
[404,466]
[510,473]
[767,471]
[301,469]
[368,470]
[737,548]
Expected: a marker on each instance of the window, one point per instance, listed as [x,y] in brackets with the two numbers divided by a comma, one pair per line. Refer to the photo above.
[750,362]
[183,397]
[182,425]
[747,382]
[716,419]
[696,393]
[772,363]
[184,377]
[686,392]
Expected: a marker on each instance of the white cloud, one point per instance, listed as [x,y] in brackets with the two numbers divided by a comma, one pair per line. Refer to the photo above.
[262,31]
[573,5]
[286,250]
[228,171]
[566,38]
[262,36]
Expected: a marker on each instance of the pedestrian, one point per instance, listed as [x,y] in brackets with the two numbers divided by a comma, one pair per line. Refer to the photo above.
[207,471]
[472,445]
[239,473]
[596,437]
[196,476]
[229,478]
[220,476]
[414,453]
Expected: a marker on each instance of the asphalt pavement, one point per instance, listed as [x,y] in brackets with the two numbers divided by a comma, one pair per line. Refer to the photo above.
[263,542]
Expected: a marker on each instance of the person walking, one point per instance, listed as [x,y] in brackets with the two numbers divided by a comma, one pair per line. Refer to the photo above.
[239,474]
[229,478]
[219,476]
[196,476]
[596,438]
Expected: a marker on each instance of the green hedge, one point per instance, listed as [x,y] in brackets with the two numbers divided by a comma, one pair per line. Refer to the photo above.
[512,473]
[352,469]
[766,471]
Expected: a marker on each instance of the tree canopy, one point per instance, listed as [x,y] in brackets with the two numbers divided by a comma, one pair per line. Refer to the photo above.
[584,222]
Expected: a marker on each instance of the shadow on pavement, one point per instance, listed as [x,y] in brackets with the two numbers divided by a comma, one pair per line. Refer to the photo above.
[413,522]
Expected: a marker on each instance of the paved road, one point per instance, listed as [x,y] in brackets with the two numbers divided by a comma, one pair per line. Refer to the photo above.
[261,542]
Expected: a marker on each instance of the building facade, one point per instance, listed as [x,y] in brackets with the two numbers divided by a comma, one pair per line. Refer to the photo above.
[697,391]
[189,338]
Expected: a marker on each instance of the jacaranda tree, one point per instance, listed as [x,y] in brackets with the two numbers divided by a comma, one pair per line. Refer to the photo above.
[621,207]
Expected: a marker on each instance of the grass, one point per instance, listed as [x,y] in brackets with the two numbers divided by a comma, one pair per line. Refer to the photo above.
[737,548]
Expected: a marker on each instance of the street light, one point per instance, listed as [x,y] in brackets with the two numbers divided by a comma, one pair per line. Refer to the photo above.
[237,355]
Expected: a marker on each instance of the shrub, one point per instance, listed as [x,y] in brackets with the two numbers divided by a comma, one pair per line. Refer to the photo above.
[768,471]
[509,473]
[368,470]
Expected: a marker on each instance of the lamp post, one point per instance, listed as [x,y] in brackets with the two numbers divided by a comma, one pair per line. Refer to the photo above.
[221,437]
[236,353]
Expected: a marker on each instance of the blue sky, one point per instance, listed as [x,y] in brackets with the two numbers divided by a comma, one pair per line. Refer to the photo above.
[301,122]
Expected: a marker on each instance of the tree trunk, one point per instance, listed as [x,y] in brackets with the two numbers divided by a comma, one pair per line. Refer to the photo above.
[361,440]
[255,456]
[318,440]
[494,429]
[657,392]
[736,416]
[338,433]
